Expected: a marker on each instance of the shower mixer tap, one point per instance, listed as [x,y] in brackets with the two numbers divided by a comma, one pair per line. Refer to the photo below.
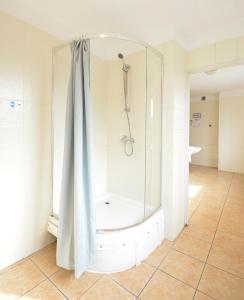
[126,139]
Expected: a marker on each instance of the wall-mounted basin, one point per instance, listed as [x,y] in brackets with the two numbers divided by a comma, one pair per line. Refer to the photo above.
[193,150]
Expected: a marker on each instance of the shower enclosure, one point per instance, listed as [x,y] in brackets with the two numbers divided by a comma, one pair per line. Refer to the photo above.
[126,87]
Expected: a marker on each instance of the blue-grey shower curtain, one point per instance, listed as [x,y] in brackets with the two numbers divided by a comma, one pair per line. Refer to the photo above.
[77,229]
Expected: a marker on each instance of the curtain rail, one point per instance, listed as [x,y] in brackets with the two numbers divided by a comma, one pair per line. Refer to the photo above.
[119,37]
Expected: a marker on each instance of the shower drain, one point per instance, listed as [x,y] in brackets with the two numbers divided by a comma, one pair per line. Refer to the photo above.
[107,202]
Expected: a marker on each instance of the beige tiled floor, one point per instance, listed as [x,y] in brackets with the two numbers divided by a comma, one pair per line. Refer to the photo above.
[205,262]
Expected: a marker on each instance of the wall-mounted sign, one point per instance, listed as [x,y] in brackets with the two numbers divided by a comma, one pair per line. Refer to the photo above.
[196,119]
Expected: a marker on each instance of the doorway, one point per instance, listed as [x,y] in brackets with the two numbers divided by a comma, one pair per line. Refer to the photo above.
[216,132]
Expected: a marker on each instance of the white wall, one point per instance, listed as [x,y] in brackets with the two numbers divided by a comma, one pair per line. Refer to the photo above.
[229,52]
[231,131]
[25,143]
[175,139]
[61,73]
[99,83]
[205,136]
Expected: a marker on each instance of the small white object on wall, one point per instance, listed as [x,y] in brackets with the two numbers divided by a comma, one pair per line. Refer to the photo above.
[193,150]
[196,120]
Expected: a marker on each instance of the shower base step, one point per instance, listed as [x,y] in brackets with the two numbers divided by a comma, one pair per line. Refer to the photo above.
[119,250]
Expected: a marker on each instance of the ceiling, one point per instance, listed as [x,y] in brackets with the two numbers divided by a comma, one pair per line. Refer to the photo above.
[192,23]
[226,79]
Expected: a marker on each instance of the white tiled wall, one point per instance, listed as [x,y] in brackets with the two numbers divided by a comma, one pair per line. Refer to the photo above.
[25,156]
[231,138]
[220,54]
[175,139]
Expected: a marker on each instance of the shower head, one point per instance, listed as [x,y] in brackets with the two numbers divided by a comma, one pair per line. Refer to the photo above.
[125,66]
[121,56]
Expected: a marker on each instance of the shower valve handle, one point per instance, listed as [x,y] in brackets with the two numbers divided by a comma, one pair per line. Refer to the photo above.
[126,139]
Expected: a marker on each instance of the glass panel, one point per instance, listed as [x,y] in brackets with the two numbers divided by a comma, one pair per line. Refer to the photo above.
[153,133]
[119,178]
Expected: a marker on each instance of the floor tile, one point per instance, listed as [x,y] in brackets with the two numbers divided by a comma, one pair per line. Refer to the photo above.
[227,260]
[182,267]
[235,199]
[235,204]
[135,278]
[44,291]
[191,210]
[237,191]
[234,213]
[163,286]
[200,231]
[71,287]
[202,219]
[217,199]
[220,189]
[191,246]
[230,225]
[107,289]
[238,180]
[208,206]
[209,212]
[201,296]
[45,259]
[156,257]
[229,241]
[194,203]
[20,279]
[221,285]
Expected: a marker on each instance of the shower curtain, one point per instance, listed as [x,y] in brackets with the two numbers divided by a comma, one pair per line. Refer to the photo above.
[77,229]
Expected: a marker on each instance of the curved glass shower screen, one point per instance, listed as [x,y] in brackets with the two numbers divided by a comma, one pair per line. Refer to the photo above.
[126,88]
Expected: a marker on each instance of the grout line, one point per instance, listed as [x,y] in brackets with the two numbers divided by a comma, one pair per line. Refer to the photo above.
[205,295]
[34,263]
[197,238]
[150,278]
[194,211]
[46,278]
[232,234]
[156,268]
[203,262]
[226,196]
[50,275]
[199,260]
[232,274]
[162,271]
[66,297]
[39,283]
[114,280]
[79,297]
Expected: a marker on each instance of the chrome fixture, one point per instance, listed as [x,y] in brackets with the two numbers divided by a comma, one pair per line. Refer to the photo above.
[127,140]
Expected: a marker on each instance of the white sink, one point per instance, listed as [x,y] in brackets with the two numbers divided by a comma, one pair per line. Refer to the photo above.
[193,150]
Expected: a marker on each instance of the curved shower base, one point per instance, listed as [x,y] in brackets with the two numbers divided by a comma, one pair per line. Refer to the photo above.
[121,245]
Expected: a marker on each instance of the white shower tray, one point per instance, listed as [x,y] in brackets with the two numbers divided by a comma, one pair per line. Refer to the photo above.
[121,249]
